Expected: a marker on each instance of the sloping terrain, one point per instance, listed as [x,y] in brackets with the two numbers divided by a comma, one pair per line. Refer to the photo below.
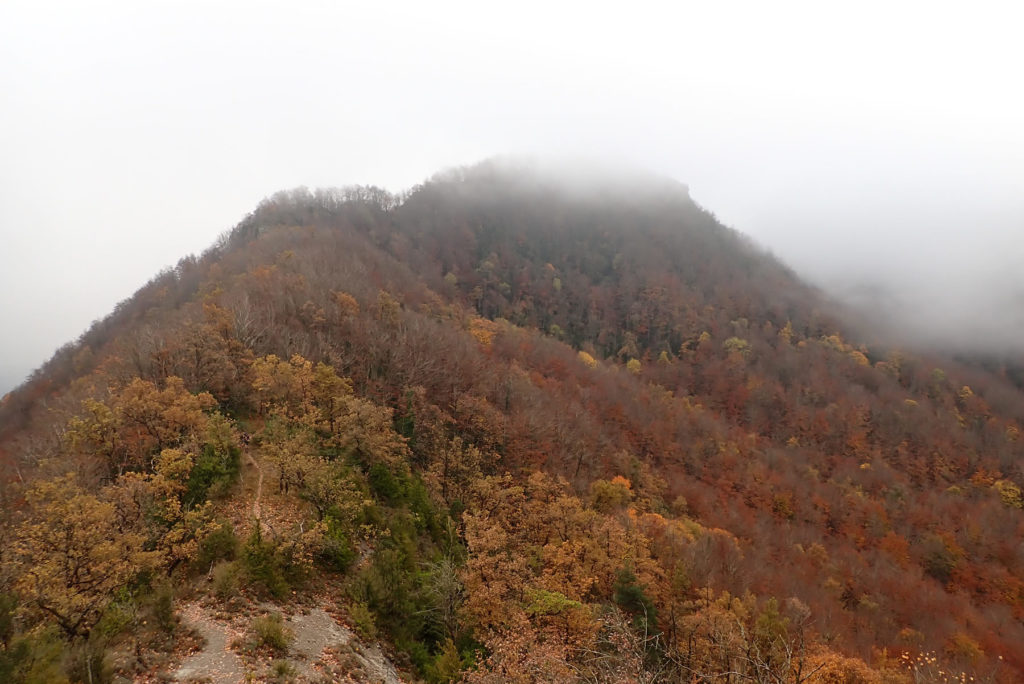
[524,427]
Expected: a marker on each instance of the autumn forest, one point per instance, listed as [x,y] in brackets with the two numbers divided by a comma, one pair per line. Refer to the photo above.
[508,428]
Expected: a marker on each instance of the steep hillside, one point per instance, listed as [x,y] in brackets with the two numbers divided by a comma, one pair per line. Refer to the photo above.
[518,425]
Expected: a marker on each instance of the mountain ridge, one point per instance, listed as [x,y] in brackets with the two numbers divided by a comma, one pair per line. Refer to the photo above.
[584,335]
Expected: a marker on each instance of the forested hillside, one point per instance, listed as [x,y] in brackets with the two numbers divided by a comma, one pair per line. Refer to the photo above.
[513,426]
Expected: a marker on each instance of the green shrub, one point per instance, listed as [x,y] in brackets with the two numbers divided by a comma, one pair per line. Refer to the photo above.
[371,515]
[264,566]
[447,666]
[35,658]
[221,544]
[420,656]
[225,580]
[214,472]
[940,559]
[428,518]
[383,483]
[270,631]
[163,608]
[119,616]
[336,551]
[282,671]
[632,598]
[362,620]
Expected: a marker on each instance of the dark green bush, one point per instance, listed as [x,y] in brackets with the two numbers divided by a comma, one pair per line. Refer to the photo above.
[630,596]
[383,483]
[269,566]
[336,552]
[212,474]
[220,545]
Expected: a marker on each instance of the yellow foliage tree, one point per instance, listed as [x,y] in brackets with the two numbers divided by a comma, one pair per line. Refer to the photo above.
[140,420]
[284,387]
[150,505]
[71,557]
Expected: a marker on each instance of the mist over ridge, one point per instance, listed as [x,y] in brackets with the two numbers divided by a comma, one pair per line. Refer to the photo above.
[955,287]
[951,283]
[135,135]
[958,291]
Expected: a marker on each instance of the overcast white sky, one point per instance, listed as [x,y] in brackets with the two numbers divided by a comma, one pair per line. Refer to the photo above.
[873,141]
